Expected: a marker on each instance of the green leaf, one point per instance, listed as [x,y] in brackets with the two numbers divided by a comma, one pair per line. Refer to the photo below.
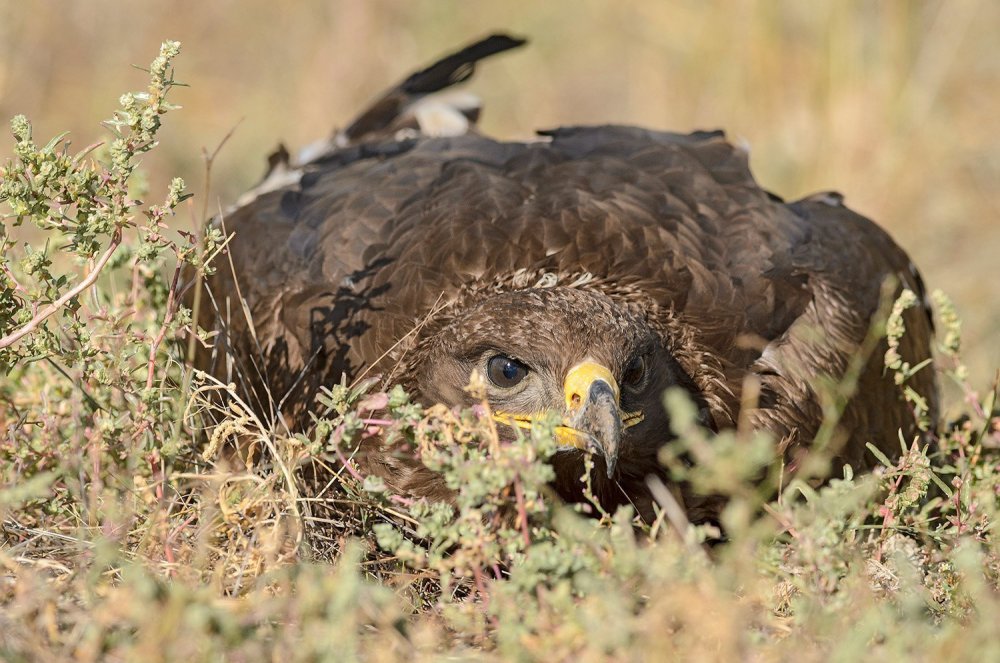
[55,141]
[882,458]
[945,488]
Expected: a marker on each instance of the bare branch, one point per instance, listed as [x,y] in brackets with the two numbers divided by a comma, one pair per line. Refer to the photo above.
[89,280]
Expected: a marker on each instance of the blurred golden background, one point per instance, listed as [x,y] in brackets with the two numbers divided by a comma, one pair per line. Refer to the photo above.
[894,103]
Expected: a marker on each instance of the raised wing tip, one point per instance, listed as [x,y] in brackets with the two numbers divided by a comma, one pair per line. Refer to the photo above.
[386,112]
[505,40]
[458,66]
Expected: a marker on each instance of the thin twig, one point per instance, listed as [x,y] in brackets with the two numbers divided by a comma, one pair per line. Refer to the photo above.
[54,307]
[199,227]
[17,286]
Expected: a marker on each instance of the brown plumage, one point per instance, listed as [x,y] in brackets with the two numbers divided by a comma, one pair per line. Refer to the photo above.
[584,273]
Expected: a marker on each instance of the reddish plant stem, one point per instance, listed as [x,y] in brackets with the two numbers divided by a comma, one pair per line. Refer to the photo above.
[484,592]
[522,512]
[887,517]
[782,520]
[168,548]
[167,319]
[349,466]
[377,422]
[134,291]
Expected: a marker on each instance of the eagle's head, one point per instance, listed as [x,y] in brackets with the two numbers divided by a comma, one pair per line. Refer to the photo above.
[598,363]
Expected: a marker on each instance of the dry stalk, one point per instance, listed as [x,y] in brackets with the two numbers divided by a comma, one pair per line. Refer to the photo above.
[89,280]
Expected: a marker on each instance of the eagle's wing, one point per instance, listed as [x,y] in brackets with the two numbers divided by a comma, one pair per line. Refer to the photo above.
[847,262]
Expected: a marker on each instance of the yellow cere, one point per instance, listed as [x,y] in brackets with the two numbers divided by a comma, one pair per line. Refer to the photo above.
[578,381]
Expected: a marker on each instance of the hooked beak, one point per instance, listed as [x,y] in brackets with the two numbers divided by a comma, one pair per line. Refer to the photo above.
[593,403]
[594,417]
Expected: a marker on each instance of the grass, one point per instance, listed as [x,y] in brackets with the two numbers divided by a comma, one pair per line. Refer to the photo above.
[144,518]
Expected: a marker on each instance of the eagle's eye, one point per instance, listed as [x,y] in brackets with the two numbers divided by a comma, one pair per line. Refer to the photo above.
[504,371]
[635,372]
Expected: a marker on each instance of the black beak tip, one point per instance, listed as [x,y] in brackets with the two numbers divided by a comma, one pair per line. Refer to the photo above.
[599,416]
[611,463]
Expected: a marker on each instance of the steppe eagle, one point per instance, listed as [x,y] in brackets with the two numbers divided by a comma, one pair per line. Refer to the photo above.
[583,272]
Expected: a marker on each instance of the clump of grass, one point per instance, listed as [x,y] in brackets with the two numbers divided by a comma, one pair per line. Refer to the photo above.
[148,513]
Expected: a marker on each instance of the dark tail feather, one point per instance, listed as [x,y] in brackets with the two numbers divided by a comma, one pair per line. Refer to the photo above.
[447,71]
[457,67]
